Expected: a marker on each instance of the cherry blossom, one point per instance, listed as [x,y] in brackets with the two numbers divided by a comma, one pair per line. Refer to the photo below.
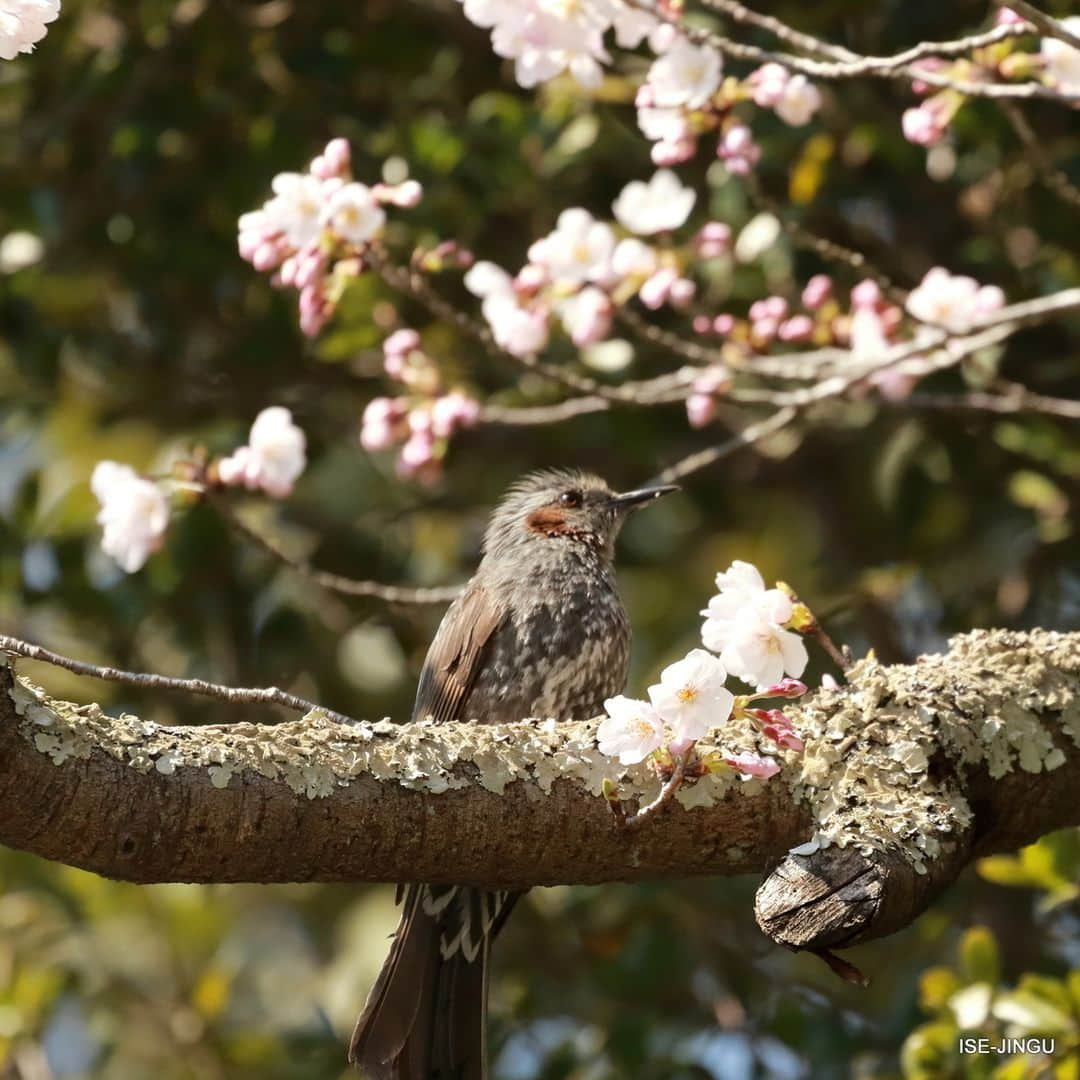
[134,514]
[579,249]
[23,23]
[1061,59]
[954,302]
[586,315]
[272,460]
[316,228]
[744,623]
[691,696]
[660,205]
[686,75]
[384,423]
[631,731]
[352,213]
[798,102]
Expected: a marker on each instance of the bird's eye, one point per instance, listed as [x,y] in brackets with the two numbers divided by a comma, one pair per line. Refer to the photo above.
[570,498]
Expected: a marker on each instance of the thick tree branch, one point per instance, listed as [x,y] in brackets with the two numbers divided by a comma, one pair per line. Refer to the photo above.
[909,773]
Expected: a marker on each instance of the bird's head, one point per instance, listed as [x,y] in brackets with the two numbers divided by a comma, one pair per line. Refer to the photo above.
[563,506]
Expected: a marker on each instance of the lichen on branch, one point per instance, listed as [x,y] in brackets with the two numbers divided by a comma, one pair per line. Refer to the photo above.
[909,772]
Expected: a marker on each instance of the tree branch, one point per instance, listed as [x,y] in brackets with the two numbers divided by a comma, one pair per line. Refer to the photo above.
[909,772]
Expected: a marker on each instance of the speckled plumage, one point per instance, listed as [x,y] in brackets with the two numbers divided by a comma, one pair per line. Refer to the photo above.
[539,631]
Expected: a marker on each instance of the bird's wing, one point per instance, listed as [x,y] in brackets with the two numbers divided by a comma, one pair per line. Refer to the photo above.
[456,655]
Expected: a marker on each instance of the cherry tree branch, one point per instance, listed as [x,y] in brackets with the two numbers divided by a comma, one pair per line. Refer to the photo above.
[234,695]
[977,749]
[1049,26]
[899,67]
[391,594]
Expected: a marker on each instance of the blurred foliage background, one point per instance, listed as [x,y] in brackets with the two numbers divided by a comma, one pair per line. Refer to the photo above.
[130,143]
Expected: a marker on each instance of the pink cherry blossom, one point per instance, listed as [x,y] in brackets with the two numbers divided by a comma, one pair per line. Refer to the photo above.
[753,765]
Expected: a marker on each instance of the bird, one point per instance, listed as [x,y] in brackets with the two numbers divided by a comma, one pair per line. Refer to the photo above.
[539,631]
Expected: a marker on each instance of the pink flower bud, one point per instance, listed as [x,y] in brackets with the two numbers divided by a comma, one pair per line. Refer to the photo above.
[681,292]
[753,765]
[768,84]
[723,324]
[772,307]
[407,194]
[923,126]
[266,256]
[337,157]
[764,329]
[701,324]
[786,688]
[672,152]
[417,452]
[713,240]
[453,411]
[816,291]
[797,328]
[654,292]
[1008,17]
[715,379]
[401,342]
[700,410]
[866,295]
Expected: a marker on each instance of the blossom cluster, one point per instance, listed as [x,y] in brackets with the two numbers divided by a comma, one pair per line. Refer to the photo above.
[869,325]
[23,23]
[585,268]
[315,230]
[135,509]
[546,38]
[747,634]
[684,94]
[684,97]
[421,421]
[1057,64]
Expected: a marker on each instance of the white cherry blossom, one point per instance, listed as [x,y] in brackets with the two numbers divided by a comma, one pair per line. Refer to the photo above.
[686,75]
[631,731]
[691,696]
[578,251]
[23,24]
[798,102]
[660,205]
[353,214]
[272,460]
[134,514]
[953,301]
[1062,60]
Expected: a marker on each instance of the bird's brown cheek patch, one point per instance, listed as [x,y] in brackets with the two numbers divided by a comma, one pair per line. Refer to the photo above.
[548,521]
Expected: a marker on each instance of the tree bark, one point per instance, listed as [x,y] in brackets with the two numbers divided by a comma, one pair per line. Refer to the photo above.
[909,772]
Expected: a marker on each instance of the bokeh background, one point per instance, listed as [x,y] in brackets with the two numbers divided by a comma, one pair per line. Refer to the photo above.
[130,329]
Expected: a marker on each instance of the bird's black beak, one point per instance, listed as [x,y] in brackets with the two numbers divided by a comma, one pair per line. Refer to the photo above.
[631,500]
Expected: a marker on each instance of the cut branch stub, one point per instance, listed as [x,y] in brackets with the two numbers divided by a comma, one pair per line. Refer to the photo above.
[931,767]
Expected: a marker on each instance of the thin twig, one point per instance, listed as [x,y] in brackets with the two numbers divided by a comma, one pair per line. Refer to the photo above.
[1053,178]
[667,793]
[235,695]
[1008,403]
[900,67]
[1051,27]
[700,459]
[820,245]
[392,594]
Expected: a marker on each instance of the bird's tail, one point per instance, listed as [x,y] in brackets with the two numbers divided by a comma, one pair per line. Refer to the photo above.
[425,1017]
